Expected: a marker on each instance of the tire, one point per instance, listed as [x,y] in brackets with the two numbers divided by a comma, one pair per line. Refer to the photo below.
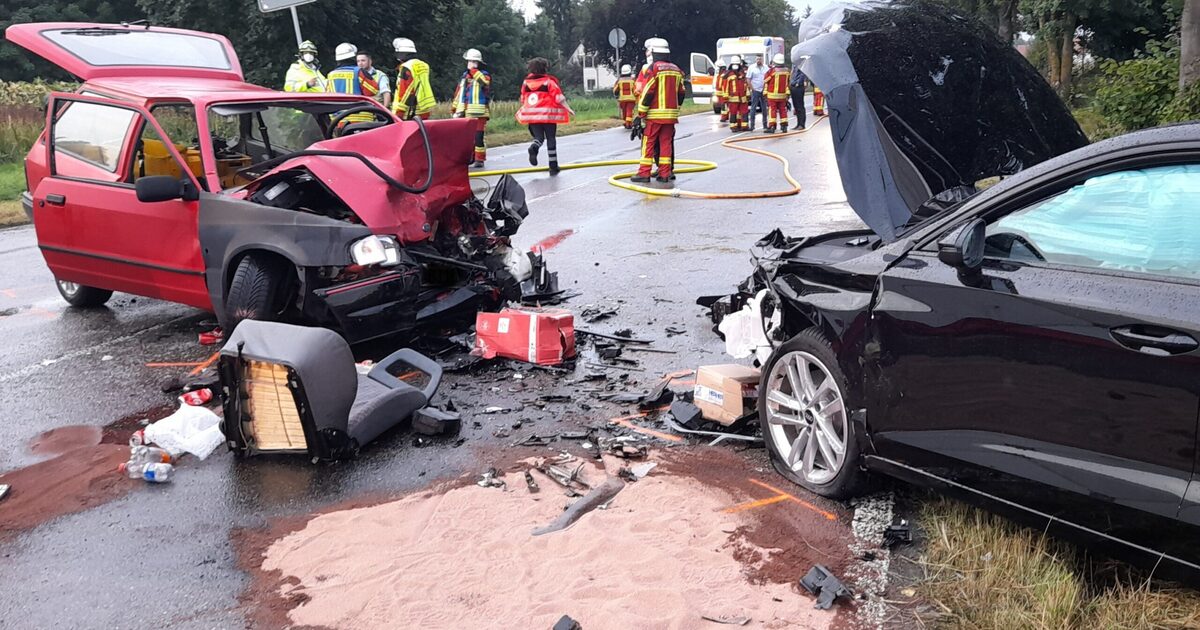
[81,296]
[806,460]
[254,292]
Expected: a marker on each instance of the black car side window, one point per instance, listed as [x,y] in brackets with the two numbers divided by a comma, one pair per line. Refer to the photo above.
[1145,221]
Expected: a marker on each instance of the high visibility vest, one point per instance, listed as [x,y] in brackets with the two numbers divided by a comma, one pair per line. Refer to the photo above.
[624,90]
[415,83]
[737,88]
[298,76]
[722,79]
[639,84]
[775,84]
[346,80]
[540,102]
[663,94]
[473,95]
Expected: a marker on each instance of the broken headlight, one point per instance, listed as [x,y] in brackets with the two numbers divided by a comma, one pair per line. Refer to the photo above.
[375,250]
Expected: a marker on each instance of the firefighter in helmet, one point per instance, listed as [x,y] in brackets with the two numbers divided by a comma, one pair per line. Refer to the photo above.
[777,92]
[626,98]
[472,100]
[305,74]
[737,95]
[355,75]
[658,111]
[414,94]
[719,92]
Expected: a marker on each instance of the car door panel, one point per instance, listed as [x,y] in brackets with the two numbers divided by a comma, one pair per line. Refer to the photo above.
[96,232]
[1016,387]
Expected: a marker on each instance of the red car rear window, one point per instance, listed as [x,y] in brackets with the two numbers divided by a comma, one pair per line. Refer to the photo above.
[132,47]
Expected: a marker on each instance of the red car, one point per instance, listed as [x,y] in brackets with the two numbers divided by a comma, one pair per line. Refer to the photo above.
[167,175]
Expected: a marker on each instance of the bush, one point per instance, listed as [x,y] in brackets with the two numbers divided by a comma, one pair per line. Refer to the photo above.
[1136,92]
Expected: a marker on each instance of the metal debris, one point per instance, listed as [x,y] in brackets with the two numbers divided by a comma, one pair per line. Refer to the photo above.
[897,533]
[567,623]
[531,483]
[729,621]
[490,479]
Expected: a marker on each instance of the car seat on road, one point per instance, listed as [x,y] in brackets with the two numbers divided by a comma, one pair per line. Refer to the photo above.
[296,389]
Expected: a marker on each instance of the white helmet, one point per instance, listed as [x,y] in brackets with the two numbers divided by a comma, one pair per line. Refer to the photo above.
[735,60]
[778,59]
[626,69]
[473,54]
[657,45]
[345,50]
[404,45]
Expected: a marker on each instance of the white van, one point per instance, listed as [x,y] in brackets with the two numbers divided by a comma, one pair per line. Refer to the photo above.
[704,69]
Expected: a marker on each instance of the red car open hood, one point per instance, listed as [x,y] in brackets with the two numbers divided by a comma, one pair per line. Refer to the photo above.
[398,150]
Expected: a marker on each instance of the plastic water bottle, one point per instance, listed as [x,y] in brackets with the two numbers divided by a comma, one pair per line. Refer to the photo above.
[149,455]
[153,473]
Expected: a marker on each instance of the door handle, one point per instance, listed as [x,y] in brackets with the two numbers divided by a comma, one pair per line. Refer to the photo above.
[56,199]
[1154,340]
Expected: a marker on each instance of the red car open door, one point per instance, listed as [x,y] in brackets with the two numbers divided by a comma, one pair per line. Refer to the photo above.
[91,227]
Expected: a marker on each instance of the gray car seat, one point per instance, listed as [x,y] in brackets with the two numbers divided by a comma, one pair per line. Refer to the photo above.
[296,389]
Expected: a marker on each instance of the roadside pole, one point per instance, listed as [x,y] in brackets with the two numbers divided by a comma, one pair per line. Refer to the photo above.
[296,25]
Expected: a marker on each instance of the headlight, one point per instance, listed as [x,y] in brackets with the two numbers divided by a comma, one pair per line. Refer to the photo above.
[376,250]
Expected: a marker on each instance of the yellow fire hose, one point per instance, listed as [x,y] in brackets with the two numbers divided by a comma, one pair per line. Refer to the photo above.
[687,166]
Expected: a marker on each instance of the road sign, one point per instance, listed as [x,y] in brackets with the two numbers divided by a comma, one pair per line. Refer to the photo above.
[616,37]
[267,6]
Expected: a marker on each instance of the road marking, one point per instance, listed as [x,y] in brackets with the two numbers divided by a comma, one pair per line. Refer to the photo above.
[785,495]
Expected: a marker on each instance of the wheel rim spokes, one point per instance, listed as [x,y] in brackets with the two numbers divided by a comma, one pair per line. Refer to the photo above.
[806,417]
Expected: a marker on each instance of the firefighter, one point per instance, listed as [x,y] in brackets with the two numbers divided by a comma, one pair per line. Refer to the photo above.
[719,94]
[658,111]
[351,78]
[543,107]
[626,99]
[414,94]
[305,74]
[818,101]
[775,88]
[472,98]
[737,95]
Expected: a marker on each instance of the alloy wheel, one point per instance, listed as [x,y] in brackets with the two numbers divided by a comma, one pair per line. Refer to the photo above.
[68,288]
[806,415]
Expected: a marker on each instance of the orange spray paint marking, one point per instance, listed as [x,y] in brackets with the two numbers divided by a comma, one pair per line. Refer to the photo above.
[777,491]
[741,507]
[207,362]
[651,432]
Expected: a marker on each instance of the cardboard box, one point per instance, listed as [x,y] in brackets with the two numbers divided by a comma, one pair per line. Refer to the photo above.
[725,393]
[545,336]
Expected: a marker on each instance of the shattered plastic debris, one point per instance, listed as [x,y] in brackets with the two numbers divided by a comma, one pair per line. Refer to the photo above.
[212,337]
[434,421]
[686,414]
[821,583]
[490,479]
[567,623]
[897,533]
[531,483]
[194,430]
[4,488]
[599,496]
[197,397]
[729,621]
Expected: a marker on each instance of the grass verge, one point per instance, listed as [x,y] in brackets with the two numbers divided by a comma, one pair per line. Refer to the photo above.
[12,184]
[983,572]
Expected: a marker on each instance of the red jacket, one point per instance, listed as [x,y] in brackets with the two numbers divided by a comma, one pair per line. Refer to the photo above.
[737,88]
[542,101]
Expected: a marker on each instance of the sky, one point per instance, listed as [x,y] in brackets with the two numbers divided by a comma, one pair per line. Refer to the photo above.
[529,8]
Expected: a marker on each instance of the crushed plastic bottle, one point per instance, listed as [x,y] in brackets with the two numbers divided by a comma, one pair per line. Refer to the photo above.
[150,455]
[137,439]
[153,473]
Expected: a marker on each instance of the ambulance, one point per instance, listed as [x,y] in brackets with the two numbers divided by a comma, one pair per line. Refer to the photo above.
[704,69]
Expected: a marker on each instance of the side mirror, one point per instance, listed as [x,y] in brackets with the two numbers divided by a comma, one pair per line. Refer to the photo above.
[963,248]
[155,188]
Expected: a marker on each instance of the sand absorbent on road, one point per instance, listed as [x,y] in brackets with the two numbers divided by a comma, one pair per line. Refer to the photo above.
[661,555]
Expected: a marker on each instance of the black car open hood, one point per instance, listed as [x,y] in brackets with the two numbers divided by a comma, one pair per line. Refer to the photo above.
[924,103]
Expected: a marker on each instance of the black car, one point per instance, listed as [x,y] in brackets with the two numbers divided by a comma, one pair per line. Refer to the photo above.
[1033,346]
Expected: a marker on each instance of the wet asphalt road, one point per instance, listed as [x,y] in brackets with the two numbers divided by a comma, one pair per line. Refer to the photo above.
[162,554]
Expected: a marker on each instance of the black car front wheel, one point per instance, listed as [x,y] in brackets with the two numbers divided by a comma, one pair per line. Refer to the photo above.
[256,291]
[82,296]
[805,417]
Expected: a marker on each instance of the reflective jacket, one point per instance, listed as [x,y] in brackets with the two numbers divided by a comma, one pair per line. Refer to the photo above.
[720,84]
[542,101]
[663,94]
[414,96]
[639,84]
[349,80]
[737,88]
[624,90]
[298,76]
[473,94]
[775,85]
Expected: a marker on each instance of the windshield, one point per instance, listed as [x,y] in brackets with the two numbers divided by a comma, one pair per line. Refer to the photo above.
[247,134]
[102,46]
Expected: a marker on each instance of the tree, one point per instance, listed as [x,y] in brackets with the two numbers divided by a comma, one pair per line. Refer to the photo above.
[807,12]
[688,25]
[541,40]
[497,31]
[564,16]
[774,17]
[1189,53]
[18,65]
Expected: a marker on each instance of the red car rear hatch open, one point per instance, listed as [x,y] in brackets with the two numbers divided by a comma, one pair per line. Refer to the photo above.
[92,51]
